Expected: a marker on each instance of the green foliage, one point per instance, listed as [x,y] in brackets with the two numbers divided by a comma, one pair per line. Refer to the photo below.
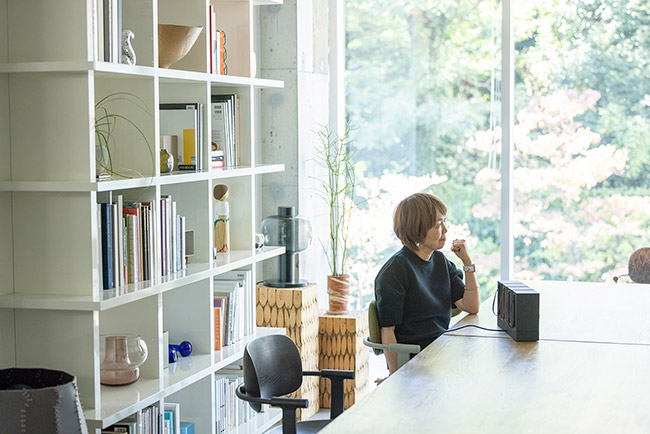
[419,81]
[338,191]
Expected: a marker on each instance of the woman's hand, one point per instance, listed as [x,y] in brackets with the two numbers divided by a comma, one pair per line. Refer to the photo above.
[460,249]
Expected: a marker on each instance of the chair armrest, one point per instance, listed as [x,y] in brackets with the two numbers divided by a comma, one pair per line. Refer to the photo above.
[277,401]
[331,373]
[289,402]
[240,391]
[336,377]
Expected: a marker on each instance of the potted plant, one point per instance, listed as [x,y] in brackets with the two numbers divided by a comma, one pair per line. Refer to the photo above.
[335,155]
[106,122]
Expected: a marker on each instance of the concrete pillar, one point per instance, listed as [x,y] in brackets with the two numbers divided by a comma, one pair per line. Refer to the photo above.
[294,48]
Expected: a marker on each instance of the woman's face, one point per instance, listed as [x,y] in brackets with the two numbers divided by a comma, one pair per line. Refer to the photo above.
[435,238]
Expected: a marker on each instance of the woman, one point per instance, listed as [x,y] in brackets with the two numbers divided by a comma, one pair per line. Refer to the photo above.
[417,286]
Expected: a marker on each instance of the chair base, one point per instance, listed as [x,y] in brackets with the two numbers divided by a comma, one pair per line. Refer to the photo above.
[306,427]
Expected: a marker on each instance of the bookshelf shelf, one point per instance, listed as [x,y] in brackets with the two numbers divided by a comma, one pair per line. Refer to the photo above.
[119,402]
[133,292]
[126,184]
[51,237]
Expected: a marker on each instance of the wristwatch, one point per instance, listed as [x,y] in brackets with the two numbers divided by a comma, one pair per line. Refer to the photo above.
[471,268]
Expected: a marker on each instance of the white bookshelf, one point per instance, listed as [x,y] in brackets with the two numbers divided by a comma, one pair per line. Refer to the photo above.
[52,305]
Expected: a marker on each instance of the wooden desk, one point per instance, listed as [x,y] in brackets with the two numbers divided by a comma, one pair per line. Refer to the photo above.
[580,311]
[463,384]
[587,374]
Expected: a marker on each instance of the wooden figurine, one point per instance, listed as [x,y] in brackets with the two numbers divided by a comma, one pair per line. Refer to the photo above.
[221,219]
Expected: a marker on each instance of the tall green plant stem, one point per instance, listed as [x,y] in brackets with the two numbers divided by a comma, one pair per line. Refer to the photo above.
[335,155]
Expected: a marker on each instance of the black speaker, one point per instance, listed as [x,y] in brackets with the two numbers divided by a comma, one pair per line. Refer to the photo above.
[518,310]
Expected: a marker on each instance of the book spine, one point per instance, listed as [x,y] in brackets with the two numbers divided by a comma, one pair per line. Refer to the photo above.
[115,244]
[107,245]
[183,243]
[121,281]
[174,237]
[132,247]
[168,234]
[217,328]
[144,220]
[211,17]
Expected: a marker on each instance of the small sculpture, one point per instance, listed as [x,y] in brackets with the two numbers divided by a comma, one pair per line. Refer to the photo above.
[128,54]
[221,219]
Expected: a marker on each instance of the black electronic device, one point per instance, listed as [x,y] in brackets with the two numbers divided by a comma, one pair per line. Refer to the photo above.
[518,310]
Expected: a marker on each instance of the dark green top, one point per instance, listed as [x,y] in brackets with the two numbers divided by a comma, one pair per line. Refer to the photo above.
[416,296]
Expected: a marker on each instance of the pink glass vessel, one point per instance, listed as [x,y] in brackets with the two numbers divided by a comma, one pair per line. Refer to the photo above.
[121,357]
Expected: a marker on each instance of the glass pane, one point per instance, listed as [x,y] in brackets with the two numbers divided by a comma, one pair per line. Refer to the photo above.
[582,137]
[421,81]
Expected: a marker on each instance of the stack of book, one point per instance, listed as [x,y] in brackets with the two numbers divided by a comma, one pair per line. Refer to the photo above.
[230,411]
[139,240]
[150,421]
[225,127]
[234,307]
[146,421]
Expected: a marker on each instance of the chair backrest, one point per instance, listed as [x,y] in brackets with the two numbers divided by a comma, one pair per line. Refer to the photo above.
[272,367]
[373,325]
[638,267]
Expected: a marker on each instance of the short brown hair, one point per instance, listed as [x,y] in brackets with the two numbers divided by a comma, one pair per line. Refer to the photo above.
[415,215]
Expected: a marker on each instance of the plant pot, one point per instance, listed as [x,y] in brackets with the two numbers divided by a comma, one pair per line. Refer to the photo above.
[338,291]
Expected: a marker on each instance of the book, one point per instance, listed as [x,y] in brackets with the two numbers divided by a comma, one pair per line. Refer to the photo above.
[213,35]
[174,411]
[220,52]
[135,210]
[221,301]
[114,246]
[133,271]
[233,290]
[225,127]
[218,324]
[121,273]
[187,428]
[244,281]
[180,119]
[106,223]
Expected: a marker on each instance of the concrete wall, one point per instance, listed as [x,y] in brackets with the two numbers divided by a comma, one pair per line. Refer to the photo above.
[294,48]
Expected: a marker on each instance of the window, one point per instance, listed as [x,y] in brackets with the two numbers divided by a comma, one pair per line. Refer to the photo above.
[423,96]
[422,99]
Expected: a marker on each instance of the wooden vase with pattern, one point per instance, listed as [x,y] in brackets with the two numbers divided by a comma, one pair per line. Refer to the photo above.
[338,291]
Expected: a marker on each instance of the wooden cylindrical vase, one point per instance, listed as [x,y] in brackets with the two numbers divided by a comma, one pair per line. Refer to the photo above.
[338,291]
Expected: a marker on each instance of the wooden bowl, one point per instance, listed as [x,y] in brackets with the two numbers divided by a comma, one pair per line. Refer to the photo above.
[174,42]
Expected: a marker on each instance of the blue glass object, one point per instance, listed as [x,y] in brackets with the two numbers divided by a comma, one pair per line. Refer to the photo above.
[173,355]
[184,348]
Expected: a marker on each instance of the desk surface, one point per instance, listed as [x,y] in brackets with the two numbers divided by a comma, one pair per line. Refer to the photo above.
[587,374]
[463,384]
[580,311]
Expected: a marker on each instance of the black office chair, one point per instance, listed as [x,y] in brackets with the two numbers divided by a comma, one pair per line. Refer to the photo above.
[273,369]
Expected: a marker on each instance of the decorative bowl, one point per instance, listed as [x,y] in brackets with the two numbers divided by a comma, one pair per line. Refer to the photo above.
[174,42]
[121,357]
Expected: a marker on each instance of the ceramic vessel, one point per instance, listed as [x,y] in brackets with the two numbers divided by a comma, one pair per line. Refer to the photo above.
[174,42]
[122,356]
[338,291]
